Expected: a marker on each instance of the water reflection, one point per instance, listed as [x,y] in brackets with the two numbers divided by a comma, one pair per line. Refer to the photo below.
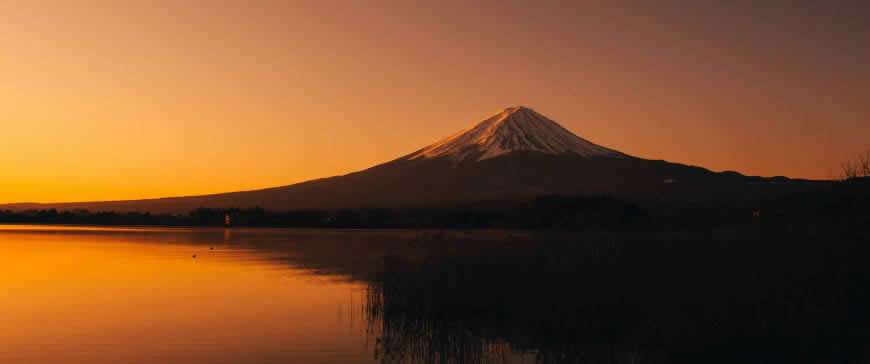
[488,297]
[492,302]
[133,295]
[111,296]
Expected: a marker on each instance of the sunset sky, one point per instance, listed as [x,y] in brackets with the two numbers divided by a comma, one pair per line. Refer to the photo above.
[106,99]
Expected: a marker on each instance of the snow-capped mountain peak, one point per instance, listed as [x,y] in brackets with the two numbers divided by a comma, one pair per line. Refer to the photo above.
[511,130]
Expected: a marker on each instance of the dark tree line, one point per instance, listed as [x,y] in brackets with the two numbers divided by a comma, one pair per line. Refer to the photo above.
[844,204]
[550,212]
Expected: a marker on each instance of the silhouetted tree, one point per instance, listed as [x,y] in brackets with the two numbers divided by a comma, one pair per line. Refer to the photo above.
[856,168]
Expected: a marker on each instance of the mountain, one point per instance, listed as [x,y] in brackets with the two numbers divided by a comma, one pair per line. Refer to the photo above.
[516,154]
[515,129]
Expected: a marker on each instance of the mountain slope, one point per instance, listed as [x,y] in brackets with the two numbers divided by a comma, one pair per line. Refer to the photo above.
[515,129]
[514,155]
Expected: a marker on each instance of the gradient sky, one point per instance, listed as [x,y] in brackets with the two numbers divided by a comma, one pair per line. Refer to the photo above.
[131,99]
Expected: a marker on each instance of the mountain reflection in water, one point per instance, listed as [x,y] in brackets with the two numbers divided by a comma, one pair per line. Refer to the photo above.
[517,297]
[474,297]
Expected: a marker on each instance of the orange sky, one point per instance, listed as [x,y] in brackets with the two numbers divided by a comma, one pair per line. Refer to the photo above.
[160,98]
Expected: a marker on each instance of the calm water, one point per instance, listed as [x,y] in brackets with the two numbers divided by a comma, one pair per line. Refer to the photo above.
[138,295]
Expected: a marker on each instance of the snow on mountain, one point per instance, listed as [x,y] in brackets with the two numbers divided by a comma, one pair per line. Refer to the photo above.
[513,129]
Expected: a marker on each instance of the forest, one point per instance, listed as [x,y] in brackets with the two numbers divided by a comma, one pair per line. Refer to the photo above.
[845,206]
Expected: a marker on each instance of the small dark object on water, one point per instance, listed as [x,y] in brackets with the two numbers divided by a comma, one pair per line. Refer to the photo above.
[211,248]
[194,255]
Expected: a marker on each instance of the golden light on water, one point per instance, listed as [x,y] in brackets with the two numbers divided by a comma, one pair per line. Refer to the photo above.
[95,296]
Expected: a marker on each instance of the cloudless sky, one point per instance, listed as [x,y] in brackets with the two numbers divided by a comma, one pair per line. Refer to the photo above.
[105,99]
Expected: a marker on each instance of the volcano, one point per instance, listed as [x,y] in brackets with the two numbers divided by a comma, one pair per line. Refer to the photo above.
[516,154]
[515,129]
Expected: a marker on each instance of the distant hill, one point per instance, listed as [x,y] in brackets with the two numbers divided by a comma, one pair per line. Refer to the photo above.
[516,154]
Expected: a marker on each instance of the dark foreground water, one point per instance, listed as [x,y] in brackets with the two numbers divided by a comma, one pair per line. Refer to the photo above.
[138,295]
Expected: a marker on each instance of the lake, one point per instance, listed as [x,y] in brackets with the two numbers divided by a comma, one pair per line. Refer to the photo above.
[178,295]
